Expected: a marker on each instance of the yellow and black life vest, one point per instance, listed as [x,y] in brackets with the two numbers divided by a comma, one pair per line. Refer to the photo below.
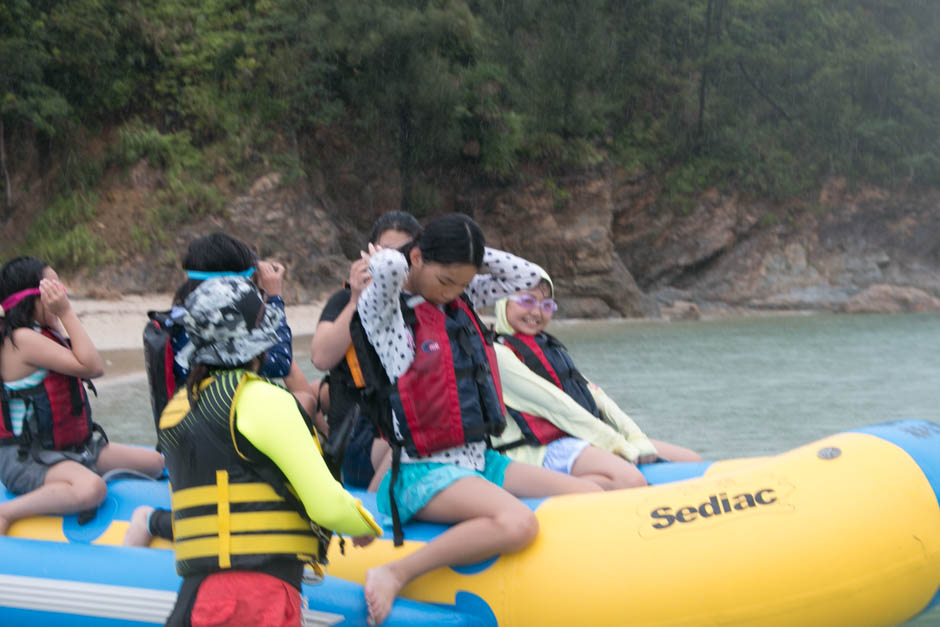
[232,507]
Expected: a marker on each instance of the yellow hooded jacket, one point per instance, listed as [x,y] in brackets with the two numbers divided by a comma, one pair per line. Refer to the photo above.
[526,391]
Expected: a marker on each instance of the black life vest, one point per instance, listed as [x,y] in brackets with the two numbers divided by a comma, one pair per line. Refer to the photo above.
[547,357]
[59,414]
[351,430]
[158,359]
[232,507]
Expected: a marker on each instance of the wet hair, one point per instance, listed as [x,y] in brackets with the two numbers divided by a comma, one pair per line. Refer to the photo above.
[544,287]
[452,239]
[395,221]
[200,372]
[20,273]
[216,252]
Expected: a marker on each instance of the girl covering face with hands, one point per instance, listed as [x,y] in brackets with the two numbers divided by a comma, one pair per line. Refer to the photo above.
[51,453]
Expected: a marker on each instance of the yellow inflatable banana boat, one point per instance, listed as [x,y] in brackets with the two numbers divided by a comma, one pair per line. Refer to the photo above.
[843,531]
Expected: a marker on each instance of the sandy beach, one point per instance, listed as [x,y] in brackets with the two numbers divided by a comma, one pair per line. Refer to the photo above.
[116,326]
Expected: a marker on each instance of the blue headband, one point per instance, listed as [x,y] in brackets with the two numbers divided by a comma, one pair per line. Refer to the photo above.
[199,275]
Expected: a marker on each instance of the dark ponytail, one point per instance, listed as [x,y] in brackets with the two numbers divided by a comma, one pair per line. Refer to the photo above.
[16,275]
[452,239]
[395,221]
[216,252]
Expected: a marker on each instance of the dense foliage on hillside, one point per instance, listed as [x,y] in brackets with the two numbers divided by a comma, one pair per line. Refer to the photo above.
[763,96]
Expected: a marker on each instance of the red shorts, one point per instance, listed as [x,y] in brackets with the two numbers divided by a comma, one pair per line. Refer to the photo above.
[243,598]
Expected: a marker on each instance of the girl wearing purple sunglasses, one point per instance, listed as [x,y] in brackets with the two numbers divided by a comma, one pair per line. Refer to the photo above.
[562,421]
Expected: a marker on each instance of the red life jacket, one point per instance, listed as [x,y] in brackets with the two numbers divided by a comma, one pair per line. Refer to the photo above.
[536,430]
[450,395]
[61,414]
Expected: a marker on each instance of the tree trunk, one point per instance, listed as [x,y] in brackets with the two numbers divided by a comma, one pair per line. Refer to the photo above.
[406,157]
[702,88]
[7,189]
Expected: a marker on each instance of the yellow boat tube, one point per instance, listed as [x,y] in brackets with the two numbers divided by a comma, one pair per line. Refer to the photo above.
[844,531]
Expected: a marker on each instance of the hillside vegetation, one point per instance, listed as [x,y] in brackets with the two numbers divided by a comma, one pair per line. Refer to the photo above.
[764,97]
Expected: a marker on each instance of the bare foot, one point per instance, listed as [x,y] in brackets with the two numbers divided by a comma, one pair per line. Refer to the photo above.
[138,532]
[4,525]
[382,586]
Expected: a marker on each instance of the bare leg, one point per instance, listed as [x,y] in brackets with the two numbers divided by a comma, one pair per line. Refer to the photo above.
[488,520]
[607,470]
[136,458]
[381,461]
[68,487]
[138,532]
[533,482]
[675,453]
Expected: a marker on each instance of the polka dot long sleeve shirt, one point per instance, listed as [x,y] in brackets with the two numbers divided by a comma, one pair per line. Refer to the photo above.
[379,309]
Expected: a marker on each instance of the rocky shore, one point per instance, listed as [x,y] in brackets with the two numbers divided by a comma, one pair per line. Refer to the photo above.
[612,245]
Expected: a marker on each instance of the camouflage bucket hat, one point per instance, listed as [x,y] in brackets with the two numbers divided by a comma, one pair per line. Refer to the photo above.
[227,323]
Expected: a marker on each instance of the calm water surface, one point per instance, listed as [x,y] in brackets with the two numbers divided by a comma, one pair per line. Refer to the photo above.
[726,388]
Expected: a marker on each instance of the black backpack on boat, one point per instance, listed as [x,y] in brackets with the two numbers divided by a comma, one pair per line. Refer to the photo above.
[158,359]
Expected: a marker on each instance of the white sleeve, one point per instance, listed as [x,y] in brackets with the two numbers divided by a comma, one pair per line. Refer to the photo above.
[380,312]
[500,275]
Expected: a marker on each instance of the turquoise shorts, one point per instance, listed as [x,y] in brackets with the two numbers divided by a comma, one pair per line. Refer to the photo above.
[419,482]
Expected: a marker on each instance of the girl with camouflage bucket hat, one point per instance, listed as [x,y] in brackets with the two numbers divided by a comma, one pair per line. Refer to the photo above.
[244,438]
[214,255]
[228,323]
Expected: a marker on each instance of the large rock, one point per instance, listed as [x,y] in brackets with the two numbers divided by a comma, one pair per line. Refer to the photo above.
[883,298]
[566,228]
[793,256]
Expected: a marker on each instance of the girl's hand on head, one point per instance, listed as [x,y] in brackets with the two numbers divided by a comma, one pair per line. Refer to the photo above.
[359,276]
[271,277]
[53,296]
[367,254]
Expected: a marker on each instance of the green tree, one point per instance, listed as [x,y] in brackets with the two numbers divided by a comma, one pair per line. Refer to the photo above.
[403,66]
[25,99]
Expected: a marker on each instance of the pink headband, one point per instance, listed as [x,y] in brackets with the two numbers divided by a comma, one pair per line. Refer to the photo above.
[13,299]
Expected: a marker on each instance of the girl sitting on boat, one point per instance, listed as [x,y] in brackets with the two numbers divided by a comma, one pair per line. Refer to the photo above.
[252,497]
[444,403]
[562,421]
[214,255]
[51,453]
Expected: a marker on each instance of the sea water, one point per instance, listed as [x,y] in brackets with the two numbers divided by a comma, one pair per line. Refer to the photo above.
[726,388]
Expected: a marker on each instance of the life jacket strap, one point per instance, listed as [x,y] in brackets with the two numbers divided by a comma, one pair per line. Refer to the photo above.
[334,450]
[224,519]
[397,533]
[508,446]
[237,493]
[352,360]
